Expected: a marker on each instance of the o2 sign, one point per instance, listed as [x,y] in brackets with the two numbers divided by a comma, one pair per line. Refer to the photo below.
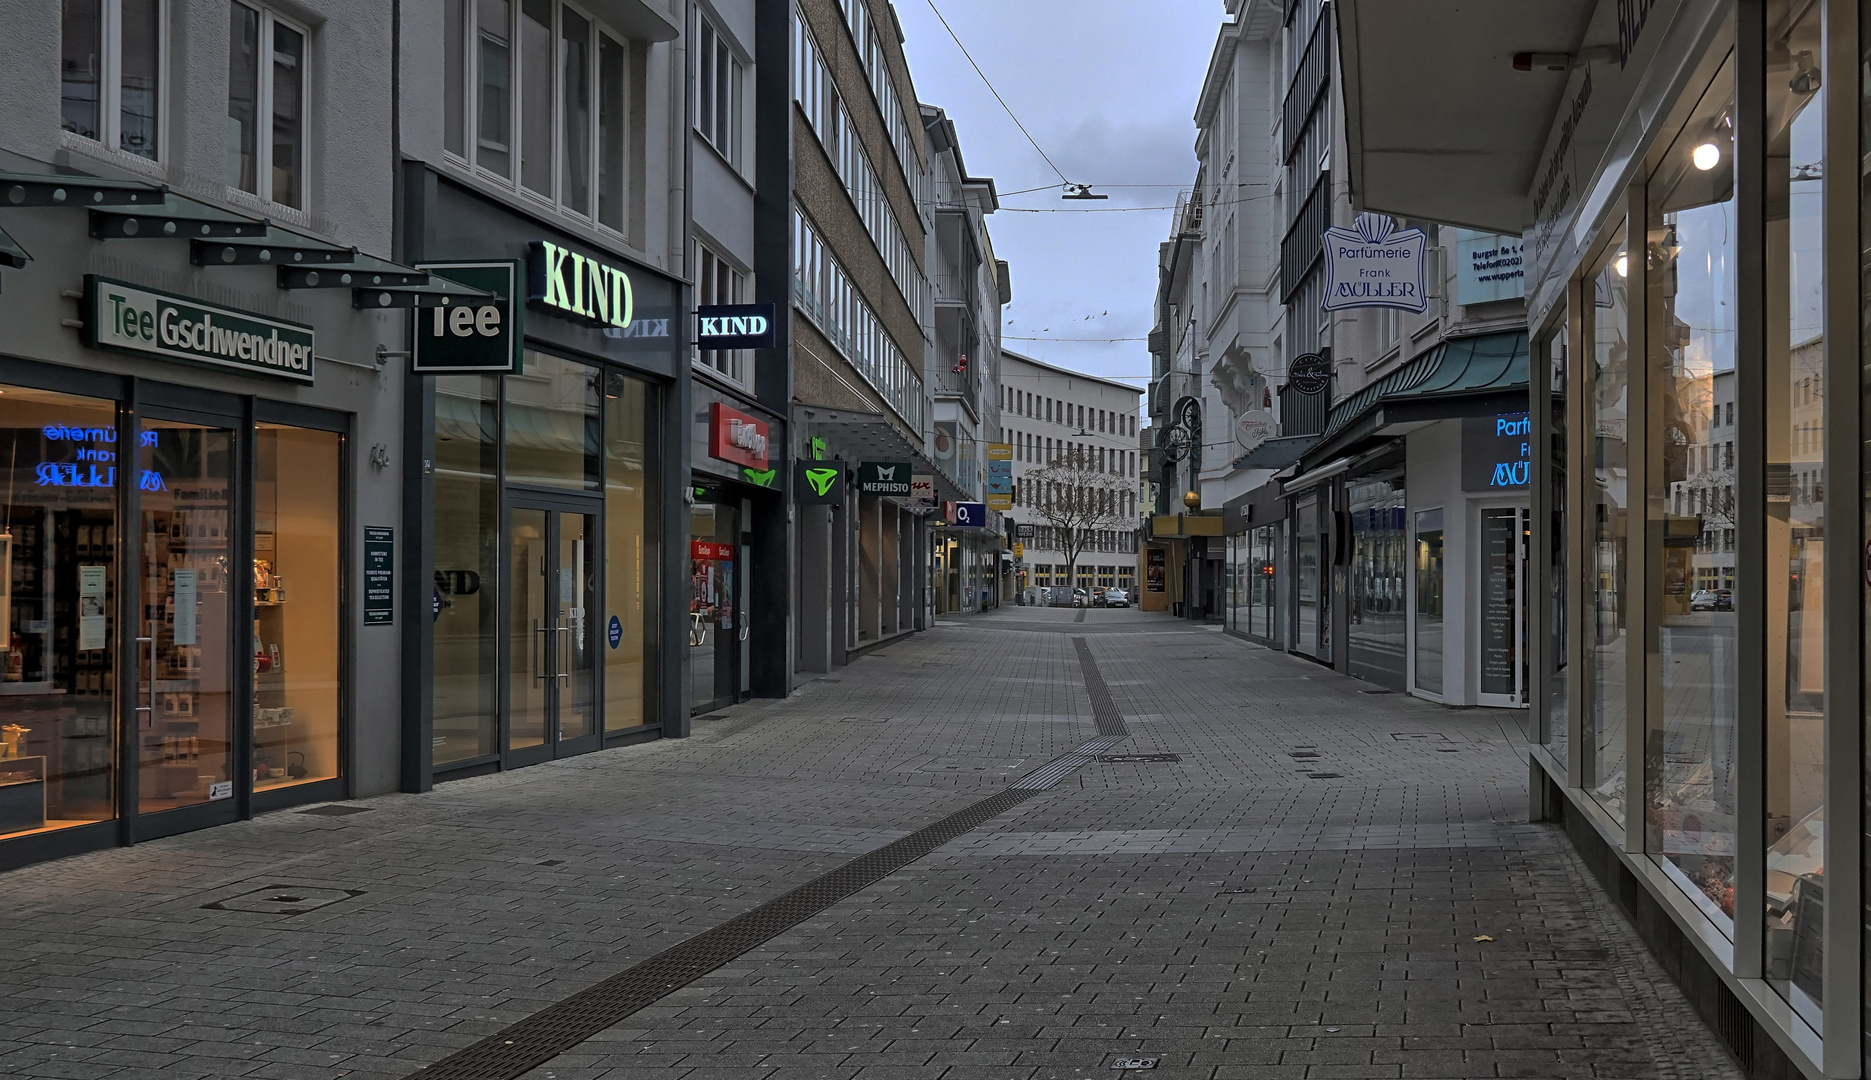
[967,515]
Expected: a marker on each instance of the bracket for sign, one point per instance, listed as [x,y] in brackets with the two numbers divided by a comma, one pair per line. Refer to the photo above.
[176,219]
[250,253]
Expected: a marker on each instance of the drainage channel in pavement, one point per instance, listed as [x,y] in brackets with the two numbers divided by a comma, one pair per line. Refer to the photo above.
[530,1043]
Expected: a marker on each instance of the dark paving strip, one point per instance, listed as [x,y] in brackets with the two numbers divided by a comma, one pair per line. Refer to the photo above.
[559,1027]
[1103,709]
[1080,617]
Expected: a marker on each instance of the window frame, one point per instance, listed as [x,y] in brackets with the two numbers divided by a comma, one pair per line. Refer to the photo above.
[110,85]
[707,28]
[263,107]
[469,86]
[740,362]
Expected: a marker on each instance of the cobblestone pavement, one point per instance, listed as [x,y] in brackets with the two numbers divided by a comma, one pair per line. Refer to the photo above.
[1305,893]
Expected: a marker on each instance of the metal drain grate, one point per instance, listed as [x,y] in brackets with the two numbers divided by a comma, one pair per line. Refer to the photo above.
[509,1054]
[1103,709]
[1121,759]
[283,900]
[335,810]
[1324,775]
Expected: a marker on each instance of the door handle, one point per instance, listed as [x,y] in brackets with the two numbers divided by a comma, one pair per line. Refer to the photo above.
[539,652]
[150,691]
[565,651]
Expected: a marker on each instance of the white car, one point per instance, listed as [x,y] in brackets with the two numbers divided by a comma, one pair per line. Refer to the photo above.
[1702,600]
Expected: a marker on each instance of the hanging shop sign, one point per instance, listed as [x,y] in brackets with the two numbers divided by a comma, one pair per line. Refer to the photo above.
[578,286]
[1000,476]
[736,437]
[1025,531]
[1253,428]
[884,478]
[379,575]
[1310,373]
[736,326]
[481,336]
[922,490]
[150,322]
[1497,452]
[1373,265]
[1489,267]
[819,483]
[966,515]
[710,551]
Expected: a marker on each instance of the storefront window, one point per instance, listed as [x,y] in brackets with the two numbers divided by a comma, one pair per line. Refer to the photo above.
[1306,519]
[1376,630]
[295,605]
[1429,601]
[1264,593]
[714,542]
[1558,642]
[58,610]
[1796,533]
[552,424]
[630,544]
[1608,503]
[187,636]
[1691,279]
[467,560]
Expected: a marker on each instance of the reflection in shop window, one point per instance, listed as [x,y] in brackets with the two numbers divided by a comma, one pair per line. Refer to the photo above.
[295,606]
[1429,601]
[626,637]
[467,560]
[58,612]
[1608,505]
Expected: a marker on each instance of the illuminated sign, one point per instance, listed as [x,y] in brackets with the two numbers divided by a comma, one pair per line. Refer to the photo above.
[817,483]
[1497,452]
[149,322]
[710,551]
[736,326]
[577,285]
[481,334]
[737,437]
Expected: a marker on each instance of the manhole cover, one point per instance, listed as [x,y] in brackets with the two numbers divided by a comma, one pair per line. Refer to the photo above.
[1325,775]
[283,900]
[335,810]
[1119,759]
[1134,1063]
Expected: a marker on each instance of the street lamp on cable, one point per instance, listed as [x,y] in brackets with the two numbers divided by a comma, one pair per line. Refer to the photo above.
[1081,191]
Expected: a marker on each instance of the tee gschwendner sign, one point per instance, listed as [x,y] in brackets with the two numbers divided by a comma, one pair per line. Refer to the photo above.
[134,319]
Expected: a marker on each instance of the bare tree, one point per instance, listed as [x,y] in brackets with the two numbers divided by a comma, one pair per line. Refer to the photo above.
[1076,498]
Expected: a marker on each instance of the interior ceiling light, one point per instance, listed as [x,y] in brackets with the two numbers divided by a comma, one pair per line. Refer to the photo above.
[1622,266]
[1706,156]
[1805,76]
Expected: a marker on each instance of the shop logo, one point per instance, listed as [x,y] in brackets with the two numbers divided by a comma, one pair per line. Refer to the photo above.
[884,478]
[574,284]
[737,437]
[821,480]
[478,334]
[761,478]
[1372,265]
[736,326]
[150,322]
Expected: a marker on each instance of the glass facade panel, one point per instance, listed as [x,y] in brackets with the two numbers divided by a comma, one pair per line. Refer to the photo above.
[630,507]
[1607,503]
[1691,756]
[1428,569]
[296,587]
[1262,588]
[467,567]
[1306,521]
[1377,627]
[714,541]
[1558,615]
[552,424]
[1795,510]
[58,611]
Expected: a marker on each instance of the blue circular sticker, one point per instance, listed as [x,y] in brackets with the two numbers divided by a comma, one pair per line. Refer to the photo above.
[616,631]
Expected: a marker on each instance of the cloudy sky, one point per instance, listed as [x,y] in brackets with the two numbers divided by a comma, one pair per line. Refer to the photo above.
[1107,88]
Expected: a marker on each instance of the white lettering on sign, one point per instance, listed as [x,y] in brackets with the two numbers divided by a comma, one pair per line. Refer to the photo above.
[734,326]
[136,319]
[570,282]
[464,321]
[747,437]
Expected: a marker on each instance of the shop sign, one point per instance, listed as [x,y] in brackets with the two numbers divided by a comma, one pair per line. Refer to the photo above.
[1488,267]
[1253,428]
[578,286]
[1019,550]
[884,478]
[614,633]
[379,575]
[819,483]
[151,322]
[736,326]
[966,515]
[1026,532]
[710,551]
[481,336]
[1309,373]
[1371,265]
[1000,476]
[922,490]
[736,437]
[1497,452]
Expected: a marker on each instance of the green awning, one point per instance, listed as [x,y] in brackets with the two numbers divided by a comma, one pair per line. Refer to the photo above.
[1483,367]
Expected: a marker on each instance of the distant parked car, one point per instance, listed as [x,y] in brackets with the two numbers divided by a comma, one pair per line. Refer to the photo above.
[1724,599]
[1116,598]
[1702,600]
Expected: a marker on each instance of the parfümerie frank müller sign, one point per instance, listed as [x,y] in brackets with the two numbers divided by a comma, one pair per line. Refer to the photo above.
[1372,264]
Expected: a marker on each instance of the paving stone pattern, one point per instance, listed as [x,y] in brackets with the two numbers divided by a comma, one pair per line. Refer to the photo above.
[1228,914]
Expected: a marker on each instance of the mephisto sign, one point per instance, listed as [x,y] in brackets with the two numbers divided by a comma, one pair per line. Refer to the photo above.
[134,319]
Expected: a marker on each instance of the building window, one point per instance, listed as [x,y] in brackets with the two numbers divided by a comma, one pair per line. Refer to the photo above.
[110,67]
[545,81]
[720,79]
[266,98]
[718,281]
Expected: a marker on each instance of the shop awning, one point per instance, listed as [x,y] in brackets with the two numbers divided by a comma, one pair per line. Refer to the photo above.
[1439,123]
[867,436]
[1479,375]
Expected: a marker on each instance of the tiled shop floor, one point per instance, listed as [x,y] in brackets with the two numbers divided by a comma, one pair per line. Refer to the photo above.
[1298,895]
